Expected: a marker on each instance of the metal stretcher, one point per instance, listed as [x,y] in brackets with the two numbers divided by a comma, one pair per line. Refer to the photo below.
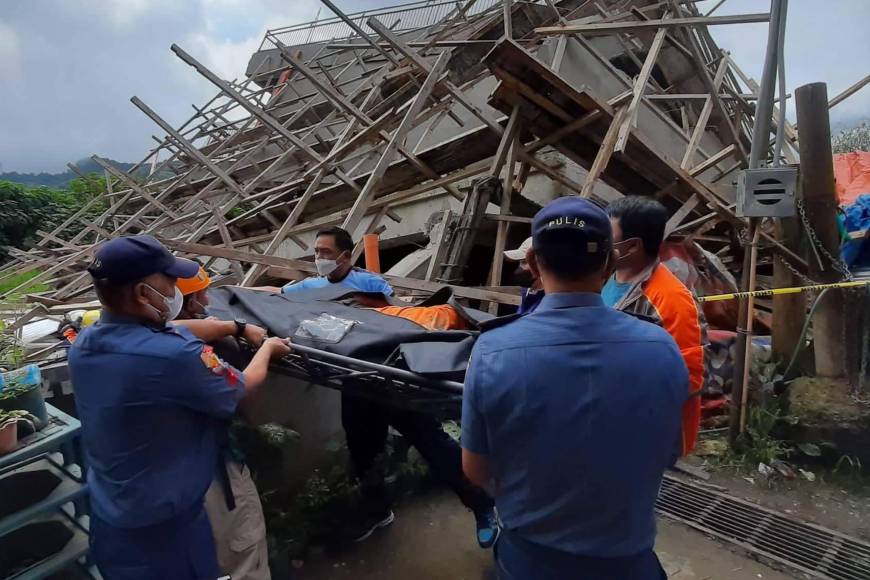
[379,382]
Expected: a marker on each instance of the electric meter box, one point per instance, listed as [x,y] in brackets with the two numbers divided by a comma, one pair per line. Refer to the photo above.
[767,192]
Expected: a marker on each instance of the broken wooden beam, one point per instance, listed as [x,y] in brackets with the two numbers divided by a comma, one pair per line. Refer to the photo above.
[604,28]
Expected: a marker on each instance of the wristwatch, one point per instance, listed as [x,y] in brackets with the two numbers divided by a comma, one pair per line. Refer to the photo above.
[241,324]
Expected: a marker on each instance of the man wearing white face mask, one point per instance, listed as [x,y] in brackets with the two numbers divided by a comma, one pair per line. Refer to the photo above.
[641,284]
[366,422]
[152,398]
[333,248]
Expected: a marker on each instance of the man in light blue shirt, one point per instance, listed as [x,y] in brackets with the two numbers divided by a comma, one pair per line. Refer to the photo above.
[570,414]
[333,249]
[366,422]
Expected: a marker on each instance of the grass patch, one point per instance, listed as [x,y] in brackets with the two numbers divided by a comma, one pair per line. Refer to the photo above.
[18,280]
[756,445]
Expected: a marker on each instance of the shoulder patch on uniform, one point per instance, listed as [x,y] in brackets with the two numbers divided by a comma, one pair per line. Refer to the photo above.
[214,363]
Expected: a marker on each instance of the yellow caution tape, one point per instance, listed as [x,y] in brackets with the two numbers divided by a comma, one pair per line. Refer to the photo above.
[778,291]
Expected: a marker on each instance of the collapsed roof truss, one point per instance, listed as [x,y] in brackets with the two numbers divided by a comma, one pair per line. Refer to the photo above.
[349,128]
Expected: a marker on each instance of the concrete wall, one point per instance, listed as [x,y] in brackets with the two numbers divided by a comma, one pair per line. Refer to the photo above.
[312,411]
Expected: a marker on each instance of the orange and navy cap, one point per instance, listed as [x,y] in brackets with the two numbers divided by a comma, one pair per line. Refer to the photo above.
[194,284]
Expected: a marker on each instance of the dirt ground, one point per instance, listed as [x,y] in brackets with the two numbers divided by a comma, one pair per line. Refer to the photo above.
[842,504]
[433,539]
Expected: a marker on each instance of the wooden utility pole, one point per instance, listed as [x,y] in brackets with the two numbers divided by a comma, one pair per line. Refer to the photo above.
[789,310]
[820,204]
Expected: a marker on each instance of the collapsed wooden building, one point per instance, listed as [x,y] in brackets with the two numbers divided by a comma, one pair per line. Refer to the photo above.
[442,127]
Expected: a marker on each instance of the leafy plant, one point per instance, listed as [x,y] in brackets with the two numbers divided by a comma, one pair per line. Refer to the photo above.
[453,429]
[758,443]
[852,461]
[239,210]
[11,350]
[9,417]
[277,435]
[15,391]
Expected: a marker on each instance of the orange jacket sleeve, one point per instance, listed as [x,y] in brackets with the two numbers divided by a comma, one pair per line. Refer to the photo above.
[682,318]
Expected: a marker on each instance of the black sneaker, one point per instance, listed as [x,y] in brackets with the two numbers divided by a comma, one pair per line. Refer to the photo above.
[368,526]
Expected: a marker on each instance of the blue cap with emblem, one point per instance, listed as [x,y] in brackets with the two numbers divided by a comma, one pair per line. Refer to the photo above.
[132,258]
[573,215]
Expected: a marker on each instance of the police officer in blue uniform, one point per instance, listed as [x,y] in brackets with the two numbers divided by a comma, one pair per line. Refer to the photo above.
[573,428]
[152,399]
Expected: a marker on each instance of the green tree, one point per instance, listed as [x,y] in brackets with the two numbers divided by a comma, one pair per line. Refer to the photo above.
[25,210]
[86,189]
[855,139]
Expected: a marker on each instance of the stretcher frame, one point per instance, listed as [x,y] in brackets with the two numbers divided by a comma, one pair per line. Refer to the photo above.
[382,383]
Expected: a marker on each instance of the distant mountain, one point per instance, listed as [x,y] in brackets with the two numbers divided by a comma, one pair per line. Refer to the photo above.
[59,180]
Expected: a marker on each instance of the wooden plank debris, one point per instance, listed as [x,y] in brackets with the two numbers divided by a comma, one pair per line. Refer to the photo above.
[387,122]
[598,29]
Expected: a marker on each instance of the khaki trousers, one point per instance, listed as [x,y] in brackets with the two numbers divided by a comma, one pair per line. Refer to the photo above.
[239,535]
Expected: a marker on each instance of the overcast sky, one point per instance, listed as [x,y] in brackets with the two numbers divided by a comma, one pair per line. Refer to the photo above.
[69,67]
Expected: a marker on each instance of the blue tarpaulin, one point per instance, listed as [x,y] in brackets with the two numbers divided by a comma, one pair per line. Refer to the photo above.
[856,218]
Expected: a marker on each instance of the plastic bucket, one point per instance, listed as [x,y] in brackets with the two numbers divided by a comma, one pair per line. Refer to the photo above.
[26,376]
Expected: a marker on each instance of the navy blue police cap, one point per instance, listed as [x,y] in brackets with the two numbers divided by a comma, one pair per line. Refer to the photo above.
[577,215]
[131,258]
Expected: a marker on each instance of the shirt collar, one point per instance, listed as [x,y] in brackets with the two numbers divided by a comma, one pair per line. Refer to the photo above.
[643,275]
[107,317]
[570,300]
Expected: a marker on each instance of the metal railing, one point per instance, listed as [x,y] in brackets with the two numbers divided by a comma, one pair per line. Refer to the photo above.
[404,17]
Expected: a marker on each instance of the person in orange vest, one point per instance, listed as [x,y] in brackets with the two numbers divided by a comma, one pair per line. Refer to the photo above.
[232,502]
[641,284]
[195,293]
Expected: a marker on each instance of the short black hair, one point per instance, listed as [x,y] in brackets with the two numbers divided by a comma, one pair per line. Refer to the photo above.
[558,251]
[641,217]
[112,294]
[343,241]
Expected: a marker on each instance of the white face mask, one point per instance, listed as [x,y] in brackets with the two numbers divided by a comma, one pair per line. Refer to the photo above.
[173,304]
[325,267]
